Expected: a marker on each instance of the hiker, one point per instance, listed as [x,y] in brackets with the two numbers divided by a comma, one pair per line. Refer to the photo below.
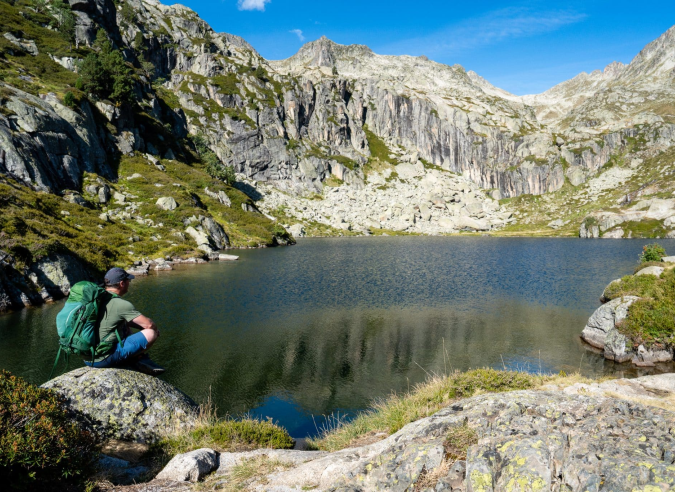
[116,318]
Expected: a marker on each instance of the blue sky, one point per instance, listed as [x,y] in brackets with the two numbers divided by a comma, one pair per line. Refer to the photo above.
[524,47]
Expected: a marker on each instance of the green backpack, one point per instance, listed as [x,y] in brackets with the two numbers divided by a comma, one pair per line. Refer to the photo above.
[77,323]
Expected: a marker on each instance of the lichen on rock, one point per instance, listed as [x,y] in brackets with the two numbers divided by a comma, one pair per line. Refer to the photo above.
[124,404]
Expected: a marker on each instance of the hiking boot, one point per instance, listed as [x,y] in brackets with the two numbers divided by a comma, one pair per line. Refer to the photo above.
[147,366]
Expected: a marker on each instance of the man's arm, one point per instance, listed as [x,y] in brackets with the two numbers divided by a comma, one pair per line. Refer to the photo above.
[143,323]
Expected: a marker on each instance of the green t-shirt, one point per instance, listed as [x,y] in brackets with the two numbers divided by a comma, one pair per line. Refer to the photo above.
[114,317]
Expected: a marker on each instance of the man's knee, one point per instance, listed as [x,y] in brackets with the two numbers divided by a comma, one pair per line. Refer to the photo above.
[150,335]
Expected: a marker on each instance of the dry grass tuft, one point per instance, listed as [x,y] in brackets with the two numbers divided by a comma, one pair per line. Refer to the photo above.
[243,476]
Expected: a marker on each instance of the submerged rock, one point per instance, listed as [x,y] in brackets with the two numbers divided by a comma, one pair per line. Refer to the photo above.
[123,404]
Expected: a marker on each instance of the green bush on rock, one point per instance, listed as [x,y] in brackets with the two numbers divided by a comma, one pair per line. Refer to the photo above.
[39,444]
[652,252]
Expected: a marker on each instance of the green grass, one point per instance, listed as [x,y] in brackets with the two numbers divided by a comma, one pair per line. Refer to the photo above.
[650,320]
[227,84]
[458,440]
[635,285]
[227,435]
[391,414]
[650,228]
[378,149]
[32,225]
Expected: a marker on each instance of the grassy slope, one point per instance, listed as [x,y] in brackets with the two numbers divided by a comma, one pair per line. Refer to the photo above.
[32,225]
[569,204]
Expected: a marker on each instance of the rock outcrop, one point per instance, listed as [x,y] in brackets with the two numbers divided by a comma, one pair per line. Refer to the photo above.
[583,437]
[604,331]
[48,279]
[123,404]
[604,320]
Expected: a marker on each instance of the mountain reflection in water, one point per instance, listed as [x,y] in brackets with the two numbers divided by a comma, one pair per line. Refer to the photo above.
[330,324]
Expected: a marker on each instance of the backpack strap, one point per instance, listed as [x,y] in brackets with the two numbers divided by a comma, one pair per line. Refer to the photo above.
[56,362]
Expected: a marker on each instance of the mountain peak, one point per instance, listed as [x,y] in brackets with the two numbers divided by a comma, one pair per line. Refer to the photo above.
[324,52]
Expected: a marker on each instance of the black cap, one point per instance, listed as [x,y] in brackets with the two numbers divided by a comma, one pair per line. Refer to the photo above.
[116,275]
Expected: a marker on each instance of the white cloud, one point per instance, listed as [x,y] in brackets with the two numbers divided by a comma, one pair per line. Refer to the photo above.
[253,4]
[494,27]
[298,32]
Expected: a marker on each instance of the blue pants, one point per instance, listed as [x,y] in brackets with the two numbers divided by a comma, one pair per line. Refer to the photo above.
[132,346]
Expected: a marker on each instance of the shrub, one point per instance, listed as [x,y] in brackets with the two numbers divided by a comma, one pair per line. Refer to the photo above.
[281,232]
[39,445]
[650,321]
[652,252]
[633,285]
[69,99]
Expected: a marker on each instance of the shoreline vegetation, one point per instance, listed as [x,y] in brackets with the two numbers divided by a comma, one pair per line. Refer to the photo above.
[636,321]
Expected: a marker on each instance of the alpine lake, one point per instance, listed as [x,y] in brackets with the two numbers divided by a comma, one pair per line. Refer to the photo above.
[325,327]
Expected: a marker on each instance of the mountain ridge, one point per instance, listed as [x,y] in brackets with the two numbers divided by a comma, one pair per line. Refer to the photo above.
[335,139]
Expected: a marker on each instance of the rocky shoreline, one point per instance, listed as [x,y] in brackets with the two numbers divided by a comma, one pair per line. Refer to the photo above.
[616,434]
[50,279]
[603,329]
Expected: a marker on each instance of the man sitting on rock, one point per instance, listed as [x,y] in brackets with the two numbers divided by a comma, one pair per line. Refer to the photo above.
[118,315]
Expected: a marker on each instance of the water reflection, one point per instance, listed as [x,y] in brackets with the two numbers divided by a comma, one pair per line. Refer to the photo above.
[328,325]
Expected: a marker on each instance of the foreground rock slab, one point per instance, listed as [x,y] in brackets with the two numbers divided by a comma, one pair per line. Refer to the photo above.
[123,404]
[526,440]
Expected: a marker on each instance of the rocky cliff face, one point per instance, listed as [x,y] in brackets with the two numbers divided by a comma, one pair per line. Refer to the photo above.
[330,112]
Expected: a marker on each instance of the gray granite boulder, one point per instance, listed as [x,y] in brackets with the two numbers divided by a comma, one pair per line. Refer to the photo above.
[167,203]
[605,319]
[616,346]
[56,274]
[123,404]
[649,356]
[190,467]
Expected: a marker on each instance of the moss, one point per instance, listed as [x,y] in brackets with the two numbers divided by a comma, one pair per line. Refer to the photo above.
[378,149]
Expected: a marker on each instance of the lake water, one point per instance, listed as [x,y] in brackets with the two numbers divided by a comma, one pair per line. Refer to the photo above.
[328,325]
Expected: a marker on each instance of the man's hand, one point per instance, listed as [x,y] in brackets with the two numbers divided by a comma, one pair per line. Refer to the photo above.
[144,323]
